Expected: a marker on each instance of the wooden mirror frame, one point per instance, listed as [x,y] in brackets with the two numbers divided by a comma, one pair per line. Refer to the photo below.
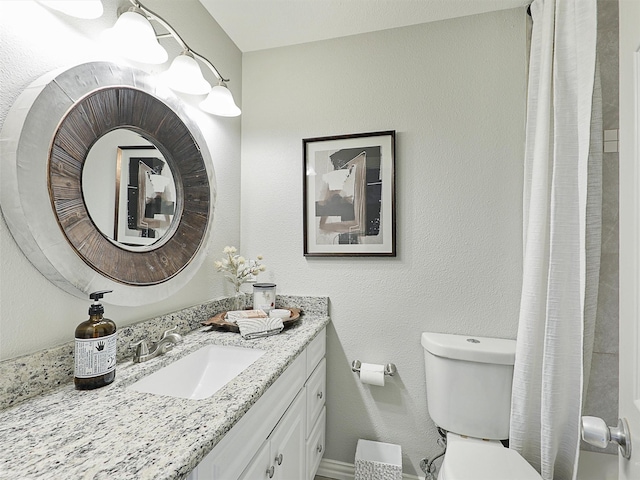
[50,130]
[89,119]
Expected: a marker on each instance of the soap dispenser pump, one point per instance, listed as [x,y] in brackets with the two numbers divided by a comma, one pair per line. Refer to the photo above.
[95,350]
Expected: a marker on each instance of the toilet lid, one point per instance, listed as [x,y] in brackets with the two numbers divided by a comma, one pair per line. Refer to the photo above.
[479,460]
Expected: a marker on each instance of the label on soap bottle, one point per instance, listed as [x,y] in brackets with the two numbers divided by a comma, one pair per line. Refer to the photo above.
[95,356]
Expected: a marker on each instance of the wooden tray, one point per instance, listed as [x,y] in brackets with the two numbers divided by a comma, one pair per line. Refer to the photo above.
[220,323]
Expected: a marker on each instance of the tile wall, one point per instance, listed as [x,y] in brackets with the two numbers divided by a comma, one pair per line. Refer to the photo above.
[602,393]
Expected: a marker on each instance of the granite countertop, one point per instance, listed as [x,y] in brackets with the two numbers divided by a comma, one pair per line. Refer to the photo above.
[115,433]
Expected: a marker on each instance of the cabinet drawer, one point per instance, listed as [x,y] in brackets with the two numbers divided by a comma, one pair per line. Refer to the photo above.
[316,394]
[315,445]
[316,350]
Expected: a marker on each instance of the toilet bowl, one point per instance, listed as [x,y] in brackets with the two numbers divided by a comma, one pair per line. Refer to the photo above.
[469,396]
[474,459]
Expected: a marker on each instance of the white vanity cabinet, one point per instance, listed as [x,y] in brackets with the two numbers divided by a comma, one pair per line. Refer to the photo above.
[281,437]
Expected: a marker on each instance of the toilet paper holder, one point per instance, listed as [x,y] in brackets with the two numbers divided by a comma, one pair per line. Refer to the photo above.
[389,369]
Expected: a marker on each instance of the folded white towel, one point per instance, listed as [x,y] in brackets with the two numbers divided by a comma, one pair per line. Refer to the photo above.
[234,315]
[259,327]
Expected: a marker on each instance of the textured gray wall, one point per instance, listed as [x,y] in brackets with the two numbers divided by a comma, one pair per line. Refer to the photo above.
[455,92]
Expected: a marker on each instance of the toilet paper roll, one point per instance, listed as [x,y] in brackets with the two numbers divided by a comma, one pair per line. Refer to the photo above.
[372,374]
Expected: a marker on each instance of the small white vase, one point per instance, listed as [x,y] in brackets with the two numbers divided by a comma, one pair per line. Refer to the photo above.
[238,300]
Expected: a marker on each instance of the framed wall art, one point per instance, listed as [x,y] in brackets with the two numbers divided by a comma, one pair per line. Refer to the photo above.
[145,196]
[349,195]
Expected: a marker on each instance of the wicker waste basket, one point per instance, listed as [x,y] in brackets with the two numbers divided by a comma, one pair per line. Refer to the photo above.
[378,461]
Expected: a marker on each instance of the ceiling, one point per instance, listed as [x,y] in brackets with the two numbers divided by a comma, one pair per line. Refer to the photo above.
[261,24]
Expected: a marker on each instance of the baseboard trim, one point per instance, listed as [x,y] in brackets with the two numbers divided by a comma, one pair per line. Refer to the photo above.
[336,470]
[345,471]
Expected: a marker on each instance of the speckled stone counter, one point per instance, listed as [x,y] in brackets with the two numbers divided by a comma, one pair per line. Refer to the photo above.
[115,433]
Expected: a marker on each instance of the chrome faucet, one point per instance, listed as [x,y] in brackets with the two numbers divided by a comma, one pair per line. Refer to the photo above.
[169,339]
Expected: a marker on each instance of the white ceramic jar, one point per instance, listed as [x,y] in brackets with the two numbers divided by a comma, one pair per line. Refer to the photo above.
[264,296]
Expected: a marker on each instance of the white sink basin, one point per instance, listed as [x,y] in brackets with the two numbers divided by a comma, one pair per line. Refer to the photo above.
[200,374]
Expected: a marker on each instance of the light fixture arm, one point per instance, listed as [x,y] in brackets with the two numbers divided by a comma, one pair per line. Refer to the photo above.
[154,16]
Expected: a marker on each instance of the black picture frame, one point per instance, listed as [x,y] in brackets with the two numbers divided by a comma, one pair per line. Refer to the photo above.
[349,195]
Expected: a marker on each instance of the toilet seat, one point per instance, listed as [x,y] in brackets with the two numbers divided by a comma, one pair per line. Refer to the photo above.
[474,459]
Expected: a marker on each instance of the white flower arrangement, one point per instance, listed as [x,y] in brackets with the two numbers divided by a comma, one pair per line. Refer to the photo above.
[237,269]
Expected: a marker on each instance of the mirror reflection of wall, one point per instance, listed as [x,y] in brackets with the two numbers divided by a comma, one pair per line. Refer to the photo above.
[129,189]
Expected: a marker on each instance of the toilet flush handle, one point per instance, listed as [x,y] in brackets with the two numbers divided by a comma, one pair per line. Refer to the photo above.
[596,432]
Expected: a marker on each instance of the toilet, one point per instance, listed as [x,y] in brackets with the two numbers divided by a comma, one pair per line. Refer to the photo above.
[469,396]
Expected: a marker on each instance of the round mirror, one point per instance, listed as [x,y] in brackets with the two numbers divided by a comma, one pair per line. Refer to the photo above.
[129,189]
[62,141]
[92,117]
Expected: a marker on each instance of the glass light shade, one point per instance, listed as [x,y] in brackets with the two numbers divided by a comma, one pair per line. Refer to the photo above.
[80,9]
[133,37]
[220,102]
[184,75]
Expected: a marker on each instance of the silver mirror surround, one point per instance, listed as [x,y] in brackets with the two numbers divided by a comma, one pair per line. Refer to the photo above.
[37,222]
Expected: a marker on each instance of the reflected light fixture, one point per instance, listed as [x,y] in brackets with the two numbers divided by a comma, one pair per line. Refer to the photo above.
[87,9]
[134,37]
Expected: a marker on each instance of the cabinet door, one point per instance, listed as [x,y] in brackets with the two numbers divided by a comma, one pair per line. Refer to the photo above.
[288,442]
[233,454]
[261,466]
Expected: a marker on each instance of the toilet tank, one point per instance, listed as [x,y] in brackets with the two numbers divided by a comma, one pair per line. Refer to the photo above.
[469,383]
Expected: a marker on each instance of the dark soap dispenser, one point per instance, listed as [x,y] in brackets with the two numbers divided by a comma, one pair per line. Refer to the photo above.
[95,350]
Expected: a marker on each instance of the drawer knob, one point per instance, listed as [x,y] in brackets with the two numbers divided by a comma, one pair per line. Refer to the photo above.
[319,449]
[278,460]
[270,471]
[320,395]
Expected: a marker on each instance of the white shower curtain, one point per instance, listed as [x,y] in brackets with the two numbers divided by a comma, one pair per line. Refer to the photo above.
[561,195]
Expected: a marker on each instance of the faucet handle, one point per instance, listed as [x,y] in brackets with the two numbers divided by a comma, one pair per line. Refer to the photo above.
[141,348]
[167,332]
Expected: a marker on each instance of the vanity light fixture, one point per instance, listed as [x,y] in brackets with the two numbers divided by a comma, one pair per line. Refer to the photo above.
[135,38]
[220,102]
[87,9]
[184,75]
